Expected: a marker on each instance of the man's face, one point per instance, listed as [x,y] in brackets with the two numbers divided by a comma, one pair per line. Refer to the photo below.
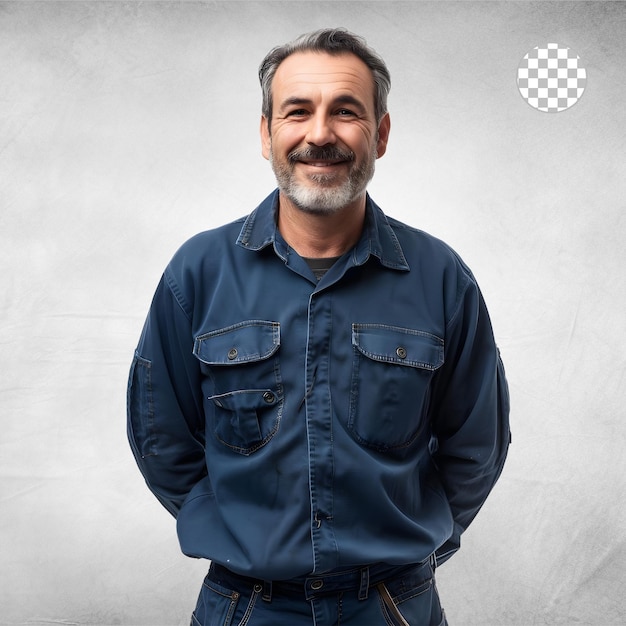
[324,138]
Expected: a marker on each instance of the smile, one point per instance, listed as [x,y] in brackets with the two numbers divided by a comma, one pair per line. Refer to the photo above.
[322,163]
[321,157]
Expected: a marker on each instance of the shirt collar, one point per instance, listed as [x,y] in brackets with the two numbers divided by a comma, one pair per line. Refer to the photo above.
[378,238]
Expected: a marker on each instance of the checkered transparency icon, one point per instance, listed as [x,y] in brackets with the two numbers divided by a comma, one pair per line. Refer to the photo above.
[550,78]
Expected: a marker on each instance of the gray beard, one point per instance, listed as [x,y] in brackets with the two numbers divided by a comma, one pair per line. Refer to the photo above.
[325,197]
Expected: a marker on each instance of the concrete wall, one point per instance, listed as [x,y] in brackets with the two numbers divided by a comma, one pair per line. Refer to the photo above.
[127,127]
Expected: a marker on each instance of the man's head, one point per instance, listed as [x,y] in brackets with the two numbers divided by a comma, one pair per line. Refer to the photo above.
[324,118]
[332,41]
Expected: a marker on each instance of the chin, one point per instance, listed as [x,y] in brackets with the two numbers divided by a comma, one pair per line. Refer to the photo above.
[318,201]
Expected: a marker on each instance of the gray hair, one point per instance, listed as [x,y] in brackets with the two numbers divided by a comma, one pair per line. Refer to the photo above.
[334,41]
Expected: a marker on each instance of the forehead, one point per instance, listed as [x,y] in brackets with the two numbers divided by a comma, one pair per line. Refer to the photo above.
[309,71]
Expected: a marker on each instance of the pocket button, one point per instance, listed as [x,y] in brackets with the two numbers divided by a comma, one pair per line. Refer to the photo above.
[401,352]
[268,396]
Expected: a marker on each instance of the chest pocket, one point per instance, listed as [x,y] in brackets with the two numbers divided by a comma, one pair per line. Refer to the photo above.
[243,384]
[390,387]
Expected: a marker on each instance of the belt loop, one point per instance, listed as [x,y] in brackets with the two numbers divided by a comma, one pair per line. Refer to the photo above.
[433,561]
[365,583]
[267,590]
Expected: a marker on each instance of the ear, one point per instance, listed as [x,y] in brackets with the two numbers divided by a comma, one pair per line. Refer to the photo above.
[384,128]
[266,139]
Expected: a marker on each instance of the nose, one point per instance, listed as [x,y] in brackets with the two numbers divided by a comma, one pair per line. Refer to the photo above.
[320,131]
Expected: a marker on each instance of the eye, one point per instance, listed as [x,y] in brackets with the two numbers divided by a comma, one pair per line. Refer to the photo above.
[297,113]
[345,113]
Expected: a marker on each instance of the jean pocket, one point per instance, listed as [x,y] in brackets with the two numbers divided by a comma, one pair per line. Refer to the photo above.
[242,383]
[216,605]
[412,599]
[420,606]
[390,387]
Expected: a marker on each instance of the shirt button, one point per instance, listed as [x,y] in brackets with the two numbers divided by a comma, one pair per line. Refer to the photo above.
[401,352]
[317,584]
[232,354]
[268,396]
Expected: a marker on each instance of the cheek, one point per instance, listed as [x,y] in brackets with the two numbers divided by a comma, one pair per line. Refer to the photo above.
[365,148]
[286,136]
[359,139]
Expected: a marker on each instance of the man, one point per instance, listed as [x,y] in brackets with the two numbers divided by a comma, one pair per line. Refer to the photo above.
[317,395]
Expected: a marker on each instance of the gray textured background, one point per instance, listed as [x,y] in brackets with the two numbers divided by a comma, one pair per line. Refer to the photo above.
[127,127]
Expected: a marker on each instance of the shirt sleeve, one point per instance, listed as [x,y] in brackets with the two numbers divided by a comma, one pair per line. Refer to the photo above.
[165,421]
[471,420]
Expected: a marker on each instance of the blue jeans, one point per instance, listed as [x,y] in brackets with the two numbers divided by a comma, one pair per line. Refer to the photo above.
[368,596]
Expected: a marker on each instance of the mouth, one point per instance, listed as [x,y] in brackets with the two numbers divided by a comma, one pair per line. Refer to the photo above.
[322,163]
[329,157]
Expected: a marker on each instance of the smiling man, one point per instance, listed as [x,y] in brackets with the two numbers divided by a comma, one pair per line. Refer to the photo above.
[317,396]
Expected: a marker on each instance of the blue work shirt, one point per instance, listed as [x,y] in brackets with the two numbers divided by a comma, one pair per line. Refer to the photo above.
[297,426]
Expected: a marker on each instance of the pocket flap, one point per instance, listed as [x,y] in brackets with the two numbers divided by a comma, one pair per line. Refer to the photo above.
[399,346]
[241,343]
[246,400]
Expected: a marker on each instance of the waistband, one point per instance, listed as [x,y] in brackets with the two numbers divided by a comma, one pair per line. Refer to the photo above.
[359,579]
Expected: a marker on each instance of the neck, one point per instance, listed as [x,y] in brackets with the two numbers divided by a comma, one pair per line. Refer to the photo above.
[317,236]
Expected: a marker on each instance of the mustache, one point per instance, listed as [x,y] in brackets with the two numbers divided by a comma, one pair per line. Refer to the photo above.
[328,153]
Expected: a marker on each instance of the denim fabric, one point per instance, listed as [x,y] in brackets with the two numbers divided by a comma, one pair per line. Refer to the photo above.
[297,426]
[226,600]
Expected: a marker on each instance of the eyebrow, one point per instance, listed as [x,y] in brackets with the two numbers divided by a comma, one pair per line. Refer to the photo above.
[346,99]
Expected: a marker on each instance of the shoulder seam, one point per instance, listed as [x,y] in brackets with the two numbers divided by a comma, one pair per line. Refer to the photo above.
[172,285]
[461,291]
